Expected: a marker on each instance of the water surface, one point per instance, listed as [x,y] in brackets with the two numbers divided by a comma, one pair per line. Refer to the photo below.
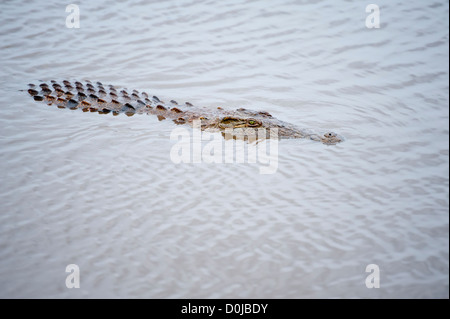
[102,192]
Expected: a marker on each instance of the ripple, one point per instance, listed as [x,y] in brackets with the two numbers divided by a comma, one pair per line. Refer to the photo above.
[102,192]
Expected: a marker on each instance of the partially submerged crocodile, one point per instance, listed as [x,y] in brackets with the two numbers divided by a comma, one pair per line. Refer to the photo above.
[104,99]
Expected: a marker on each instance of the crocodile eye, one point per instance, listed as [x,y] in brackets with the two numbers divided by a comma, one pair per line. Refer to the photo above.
[253,123]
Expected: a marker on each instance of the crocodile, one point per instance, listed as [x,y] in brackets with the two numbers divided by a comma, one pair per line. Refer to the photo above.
[104,99]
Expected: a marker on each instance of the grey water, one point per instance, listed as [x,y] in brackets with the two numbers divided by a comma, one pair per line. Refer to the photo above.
[102,192]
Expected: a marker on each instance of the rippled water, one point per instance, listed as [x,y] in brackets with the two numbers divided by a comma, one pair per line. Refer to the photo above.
[102,192]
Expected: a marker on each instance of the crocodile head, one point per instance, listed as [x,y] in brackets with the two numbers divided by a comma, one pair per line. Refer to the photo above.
[241,126]
[247,124]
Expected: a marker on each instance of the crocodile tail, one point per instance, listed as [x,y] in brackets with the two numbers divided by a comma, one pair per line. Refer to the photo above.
[93,97]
